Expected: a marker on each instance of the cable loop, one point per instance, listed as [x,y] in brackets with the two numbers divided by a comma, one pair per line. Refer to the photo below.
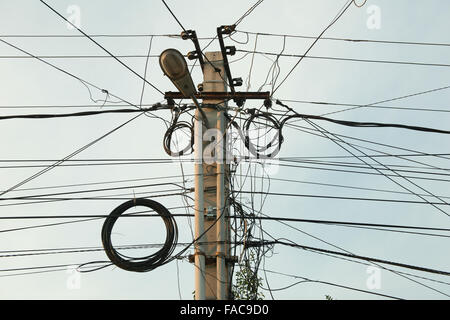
[167,140]
[147,263]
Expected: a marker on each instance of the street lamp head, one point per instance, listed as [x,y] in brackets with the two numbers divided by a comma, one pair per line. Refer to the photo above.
[175,68]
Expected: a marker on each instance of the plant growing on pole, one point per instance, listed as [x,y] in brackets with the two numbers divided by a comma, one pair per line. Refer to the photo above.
[247,282]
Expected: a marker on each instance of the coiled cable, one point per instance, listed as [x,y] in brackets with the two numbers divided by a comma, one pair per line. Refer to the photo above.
[167,140]
[256,150]
[147,263]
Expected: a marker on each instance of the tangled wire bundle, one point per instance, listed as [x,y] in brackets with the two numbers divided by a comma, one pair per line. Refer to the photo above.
[276,141]
[167,141]
[254,149]
[149,262]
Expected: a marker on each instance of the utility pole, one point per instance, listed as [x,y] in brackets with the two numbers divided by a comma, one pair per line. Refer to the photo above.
[212,257]
[212,272]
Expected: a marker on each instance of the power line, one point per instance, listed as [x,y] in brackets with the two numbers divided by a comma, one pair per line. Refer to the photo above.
[104,35]
[397,264]
[394,171]
[84,82]
[339,198]
[268,34]
[173,15]
[347,59]
[325,103]
[66,106]
[306,280]
[365,124]
[391,99]
[82,114]
[103,48]
[92,190]
[142,214]
[248,12]
[34,176]
[443,44]
[314,42]
[314,165]
[325,133]
[402,274]
[382,153]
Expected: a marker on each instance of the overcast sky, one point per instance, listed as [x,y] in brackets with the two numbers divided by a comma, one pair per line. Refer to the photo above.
[29,82]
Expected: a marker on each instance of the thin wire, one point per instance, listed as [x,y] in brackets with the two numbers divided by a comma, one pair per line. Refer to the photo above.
[348,59]
[54,165]
[173,15]
[366,106]
[306,280]
[103,48]
[80,114]
[394,171]
[348,39]
[248,12]
[307,248]
[314,42]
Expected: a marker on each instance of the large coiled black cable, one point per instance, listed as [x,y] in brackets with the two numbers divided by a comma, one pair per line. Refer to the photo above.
[147,263]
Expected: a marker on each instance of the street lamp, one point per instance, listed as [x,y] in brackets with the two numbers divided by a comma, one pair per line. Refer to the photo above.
[175,68]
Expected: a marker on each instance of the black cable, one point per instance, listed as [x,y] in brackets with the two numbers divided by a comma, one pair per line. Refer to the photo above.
[104,35]
[276,141]
[34,176]
[403,274]
[308,130]
[173,15]
[348,39]
[103,48]
[306,280]
[340,198]
[284,163]
[314,42]
[167,140]
[67,106]
[398,264]
[323,131]
[247,13]
[255,149]
[394,171]
[329,103]
[37,196]
[278,126]
[78,56]
[414,63]
[382,153]
[358,124]
[241,215]
[147,263]
[82,114]
[390,99]
[66,72]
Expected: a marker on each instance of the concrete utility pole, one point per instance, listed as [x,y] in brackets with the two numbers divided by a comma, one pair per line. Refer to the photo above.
[212,250]
[212,272]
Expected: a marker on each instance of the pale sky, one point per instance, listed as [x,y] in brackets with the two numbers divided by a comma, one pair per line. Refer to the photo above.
[29,82]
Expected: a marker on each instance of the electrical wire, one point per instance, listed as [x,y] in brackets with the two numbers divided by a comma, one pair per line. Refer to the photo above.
[152,261]
[103,48]
[314,42]
[54,165]
[442,44]
[397,264]
[82,114]
[326,103]
[413,63]
[306,280]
